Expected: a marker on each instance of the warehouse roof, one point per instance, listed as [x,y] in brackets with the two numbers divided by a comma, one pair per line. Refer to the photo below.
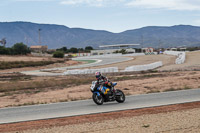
[118,45]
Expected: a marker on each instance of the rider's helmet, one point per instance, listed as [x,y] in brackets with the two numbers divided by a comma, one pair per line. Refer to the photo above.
[98,75]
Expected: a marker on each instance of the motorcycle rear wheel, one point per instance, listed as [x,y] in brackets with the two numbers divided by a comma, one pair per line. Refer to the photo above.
[97,99]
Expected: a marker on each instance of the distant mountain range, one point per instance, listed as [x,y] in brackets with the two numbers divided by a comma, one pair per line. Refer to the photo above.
[56,36]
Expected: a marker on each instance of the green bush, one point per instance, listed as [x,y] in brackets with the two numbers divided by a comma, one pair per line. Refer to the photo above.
[123,51]
[17,49]
[58,54]
[20,49]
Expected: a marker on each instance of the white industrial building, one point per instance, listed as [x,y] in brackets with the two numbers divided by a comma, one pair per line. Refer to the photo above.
[110,49]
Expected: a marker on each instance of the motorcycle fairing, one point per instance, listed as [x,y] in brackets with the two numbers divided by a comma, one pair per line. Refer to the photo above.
[103,89]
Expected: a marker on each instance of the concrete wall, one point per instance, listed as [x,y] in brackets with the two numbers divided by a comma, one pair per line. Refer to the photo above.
[91,71]
[115,69]
[134,54]
[144,67]
[181,56]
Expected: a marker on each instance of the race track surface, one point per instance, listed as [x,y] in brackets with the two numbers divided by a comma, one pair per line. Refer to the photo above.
[38,112]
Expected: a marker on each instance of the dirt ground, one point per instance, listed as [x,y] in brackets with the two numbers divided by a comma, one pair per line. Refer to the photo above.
[130,84]
[192,62]
[34,59]
[180,118]
[24,58]
[175,118]
[138,60]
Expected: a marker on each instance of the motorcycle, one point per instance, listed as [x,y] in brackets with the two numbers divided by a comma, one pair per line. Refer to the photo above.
[104,94]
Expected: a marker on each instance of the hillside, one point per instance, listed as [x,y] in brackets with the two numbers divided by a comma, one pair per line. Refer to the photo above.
[56,36]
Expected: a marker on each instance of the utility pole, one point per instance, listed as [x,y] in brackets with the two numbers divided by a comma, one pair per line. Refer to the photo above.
[39,36]
[160,44]
[142,42]
[26,40]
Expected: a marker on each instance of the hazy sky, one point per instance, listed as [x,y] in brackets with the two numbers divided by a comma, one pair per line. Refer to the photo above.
[111,15]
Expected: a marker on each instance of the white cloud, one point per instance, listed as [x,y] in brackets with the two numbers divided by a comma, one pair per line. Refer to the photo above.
[166,4]
[197,21]
[34,0]
[152,4]
[97,3]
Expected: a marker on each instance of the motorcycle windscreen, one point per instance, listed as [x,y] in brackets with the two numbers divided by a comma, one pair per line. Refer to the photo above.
[114,84]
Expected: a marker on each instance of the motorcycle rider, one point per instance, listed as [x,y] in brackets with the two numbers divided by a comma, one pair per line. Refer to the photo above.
[102,80]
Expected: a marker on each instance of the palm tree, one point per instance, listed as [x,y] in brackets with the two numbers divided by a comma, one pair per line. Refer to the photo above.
[3,41]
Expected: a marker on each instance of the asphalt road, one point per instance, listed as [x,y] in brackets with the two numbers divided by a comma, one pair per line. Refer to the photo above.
[102,61]
[37,112]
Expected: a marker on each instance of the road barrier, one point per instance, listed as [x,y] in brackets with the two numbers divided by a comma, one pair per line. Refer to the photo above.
[151,53]
[100,56]
[90,71]
[115,69]
[180,56]
[134,54]
[41,54]
[144,67]
[109,55]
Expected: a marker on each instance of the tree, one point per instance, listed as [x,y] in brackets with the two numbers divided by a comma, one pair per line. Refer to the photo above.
[116,51]
[3,41]
[88,48]
[123,51]
[64,49]
[20,48]
[73,50]
[80,50]
[3,50]
[10,51]
[58,54]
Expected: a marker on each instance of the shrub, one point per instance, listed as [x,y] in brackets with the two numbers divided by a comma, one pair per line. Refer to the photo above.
[20,49]
[58,54]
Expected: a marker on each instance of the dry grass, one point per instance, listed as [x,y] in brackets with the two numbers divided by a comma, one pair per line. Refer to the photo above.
[17,90]
[20,64]
[153,91]
[28,84]
[176,89]
[32,85]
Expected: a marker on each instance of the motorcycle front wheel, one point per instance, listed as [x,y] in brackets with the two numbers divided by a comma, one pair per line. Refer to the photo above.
[120,97]
[97,99]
